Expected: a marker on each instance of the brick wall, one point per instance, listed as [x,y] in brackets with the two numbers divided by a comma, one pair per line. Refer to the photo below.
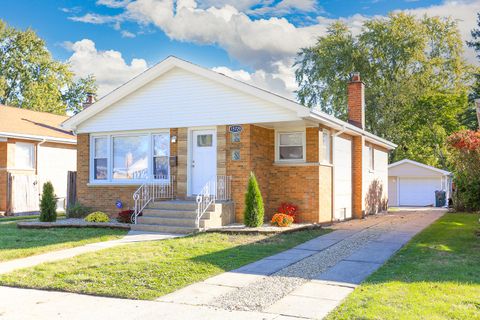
[358,206]
[356,102]
[3,176]
[296,183]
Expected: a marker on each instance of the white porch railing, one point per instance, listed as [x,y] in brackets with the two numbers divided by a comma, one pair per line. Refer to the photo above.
[218,188]
[159,188]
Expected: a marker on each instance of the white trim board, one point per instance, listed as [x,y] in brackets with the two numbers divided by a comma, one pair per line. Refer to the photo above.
[415,163]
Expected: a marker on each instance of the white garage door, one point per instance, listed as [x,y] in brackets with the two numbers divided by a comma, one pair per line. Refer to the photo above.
[343,178]
[418,191]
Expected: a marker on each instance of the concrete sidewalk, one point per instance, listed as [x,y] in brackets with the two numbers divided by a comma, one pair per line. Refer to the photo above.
[306,295]
[131,237]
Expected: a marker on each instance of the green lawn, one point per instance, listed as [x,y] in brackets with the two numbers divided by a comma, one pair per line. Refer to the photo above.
[151,269]
[436,276]
[18,243]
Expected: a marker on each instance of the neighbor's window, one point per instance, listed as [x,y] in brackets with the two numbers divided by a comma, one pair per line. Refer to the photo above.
[24,155]
[326,147]
[161,153]
[100,158]
[130,157]
[371,159]
[290,146]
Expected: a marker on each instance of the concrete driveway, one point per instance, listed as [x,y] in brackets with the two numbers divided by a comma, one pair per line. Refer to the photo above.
[306,282]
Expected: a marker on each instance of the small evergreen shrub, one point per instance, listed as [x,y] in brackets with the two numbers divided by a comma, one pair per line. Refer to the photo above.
[254,210]
[48,204]
[78,210]
[97,216]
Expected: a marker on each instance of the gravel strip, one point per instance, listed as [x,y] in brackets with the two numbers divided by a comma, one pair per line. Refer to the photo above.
[263,293]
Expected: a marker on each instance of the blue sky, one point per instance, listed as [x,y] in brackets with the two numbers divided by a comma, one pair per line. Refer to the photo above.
[252,40]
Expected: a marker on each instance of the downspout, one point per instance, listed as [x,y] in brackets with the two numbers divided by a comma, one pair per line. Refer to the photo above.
[335,135]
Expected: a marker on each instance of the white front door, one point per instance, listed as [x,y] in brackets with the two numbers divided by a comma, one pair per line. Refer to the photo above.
[203,160]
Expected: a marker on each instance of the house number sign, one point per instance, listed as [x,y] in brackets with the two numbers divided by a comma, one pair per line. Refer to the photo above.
[235,129]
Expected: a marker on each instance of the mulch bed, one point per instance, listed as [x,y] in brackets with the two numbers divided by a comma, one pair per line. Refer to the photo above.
[265,229]
[72,223]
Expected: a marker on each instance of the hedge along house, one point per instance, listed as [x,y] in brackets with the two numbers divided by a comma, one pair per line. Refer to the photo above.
[183,132]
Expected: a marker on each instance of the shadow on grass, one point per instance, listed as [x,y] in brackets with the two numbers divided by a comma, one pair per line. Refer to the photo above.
[446,251]
[12,237]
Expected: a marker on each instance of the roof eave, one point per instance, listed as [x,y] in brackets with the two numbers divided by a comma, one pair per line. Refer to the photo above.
[349,128]
[37,137]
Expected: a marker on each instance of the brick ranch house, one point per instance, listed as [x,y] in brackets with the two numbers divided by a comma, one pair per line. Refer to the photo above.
[192,131]
[34,149]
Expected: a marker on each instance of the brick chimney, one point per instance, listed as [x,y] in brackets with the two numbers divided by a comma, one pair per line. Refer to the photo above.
[356,101]
[89,101]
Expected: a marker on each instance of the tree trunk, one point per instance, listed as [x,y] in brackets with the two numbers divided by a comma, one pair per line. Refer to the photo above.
[477,102]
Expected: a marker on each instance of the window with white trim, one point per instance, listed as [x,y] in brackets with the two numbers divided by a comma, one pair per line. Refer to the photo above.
[100,158]
[326,147]
[371,158]
[130,157]
[24,155]
[161,155]
[291,146]
[121,158]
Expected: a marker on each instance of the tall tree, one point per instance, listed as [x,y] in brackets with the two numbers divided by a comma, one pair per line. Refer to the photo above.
[475,95]
[407,64]
[30,78]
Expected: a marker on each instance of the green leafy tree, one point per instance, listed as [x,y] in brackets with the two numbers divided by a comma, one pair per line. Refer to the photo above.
[472,116]
[407,63]
[48,204]
[254,210]
[30,78]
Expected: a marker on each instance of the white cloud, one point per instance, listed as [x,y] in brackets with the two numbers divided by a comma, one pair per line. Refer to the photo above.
[268,44]
[127,34]
[109,67]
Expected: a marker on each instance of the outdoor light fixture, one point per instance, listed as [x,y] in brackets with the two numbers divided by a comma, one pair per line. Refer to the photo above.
[173,139]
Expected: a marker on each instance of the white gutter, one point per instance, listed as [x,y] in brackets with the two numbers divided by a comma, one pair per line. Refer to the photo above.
[349,128]
[37,138]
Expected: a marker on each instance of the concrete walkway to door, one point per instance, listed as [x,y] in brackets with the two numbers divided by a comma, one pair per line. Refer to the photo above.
[305,282]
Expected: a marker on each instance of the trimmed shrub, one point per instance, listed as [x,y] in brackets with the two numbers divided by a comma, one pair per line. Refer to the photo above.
[48,204]
[254,210]
[281,220]
[78,210]
[97,216]
[125,216]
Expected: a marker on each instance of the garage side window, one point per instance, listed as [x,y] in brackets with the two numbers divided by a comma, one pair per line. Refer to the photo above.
[24,155]
[291,146]
[371,158]
[326,147]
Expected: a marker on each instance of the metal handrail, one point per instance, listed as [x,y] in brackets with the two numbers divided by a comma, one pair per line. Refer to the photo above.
[161,187]
[217,188]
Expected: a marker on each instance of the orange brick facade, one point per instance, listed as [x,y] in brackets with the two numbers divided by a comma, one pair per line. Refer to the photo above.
[308,184]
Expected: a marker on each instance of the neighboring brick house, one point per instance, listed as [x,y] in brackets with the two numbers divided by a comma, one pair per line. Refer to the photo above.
[181,121]
[33,149]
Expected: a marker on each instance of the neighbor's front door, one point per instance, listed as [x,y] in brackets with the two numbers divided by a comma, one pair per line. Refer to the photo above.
[204,159]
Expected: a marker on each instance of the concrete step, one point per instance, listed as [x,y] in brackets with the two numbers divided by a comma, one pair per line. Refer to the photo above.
[174,205]
[170,213]
[163,221]
[162,228]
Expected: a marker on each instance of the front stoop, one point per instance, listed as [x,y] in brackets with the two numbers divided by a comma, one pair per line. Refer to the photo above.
[178,216]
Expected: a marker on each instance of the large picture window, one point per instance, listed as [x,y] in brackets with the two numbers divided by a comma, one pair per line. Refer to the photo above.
[291,146]
[133,157]
[130,157]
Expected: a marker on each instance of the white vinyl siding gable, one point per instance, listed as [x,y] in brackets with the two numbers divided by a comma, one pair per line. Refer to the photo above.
[183,99]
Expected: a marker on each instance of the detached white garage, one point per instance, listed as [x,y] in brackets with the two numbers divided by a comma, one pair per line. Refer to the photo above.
[411,183]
